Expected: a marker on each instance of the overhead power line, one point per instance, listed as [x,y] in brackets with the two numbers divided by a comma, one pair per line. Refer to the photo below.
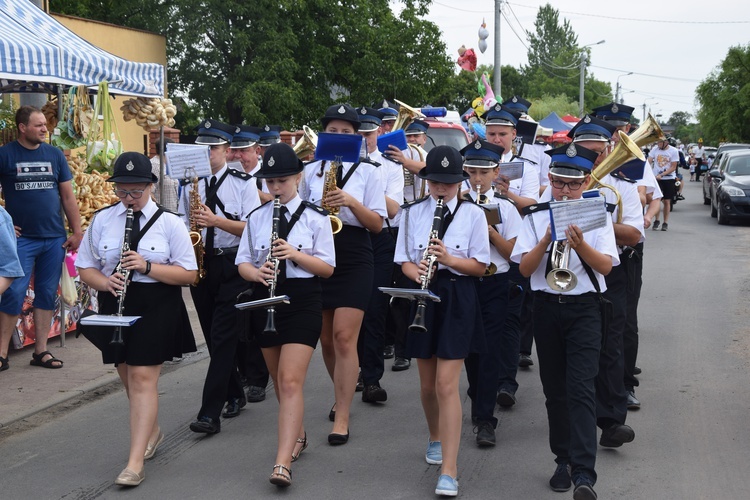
[647,74]
[659,21]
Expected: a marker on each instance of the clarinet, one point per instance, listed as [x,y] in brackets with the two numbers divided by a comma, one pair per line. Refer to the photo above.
[117,336]
[437,222]
[271,310]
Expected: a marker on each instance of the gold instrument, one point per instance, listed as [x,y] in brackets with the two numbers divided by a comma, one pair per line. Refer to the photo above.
[406,115]
[271,310]
[649,131]
[194,205]
[306,144]
[418,325]
[129,217]
[625,151]
[483,199]
[329,185]
[410,180]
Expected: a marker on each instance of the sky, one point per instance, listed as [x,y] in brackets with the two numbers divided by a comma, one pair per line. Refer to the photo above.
[678,42]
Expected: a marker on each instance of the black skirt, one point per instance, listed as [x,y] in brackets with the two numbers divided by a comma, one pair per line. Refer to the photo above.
[162,333]
[454,325]
[298,322]
[351,283]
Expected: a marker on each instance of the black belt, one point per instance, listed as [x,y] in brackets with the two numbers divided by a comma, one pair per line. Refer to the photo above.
[226,251]
[585,298]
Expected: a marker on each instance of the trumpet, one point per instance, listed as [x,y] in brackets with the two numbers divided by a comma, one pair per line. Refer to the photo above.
[117,335]
[561,278]
[418,325]
[271,310]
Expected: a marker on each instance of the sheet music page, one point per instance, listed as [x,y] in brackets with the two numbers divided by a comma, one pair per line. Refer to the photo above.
[586,213]
[108,320]
[189,161]
[512,170]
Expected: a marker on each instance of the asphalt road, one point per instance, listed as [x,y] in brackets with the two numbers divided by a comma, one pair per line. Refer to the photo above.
[691,439]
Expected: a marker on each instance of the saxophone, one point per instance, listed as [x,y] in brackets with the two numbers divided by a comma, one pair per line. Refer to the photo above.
[194,204]
[329,185]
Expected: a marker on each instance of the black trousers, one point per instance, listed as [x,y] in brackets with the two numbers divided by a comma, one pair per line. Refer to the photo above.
[250,361]
[372,333]
[483,370]
[510,343]
[214,300]
[633,262]
[399,314]
[611,398]
[527,320]
[568,337]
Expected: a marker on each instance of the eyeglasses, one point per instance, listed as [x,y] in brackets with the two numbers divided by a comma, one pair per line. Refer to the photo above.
[135,193]
[572,185]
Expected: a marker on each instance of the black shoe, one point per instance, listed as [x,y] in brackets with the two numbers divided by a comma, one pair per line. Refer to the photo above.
[664,227]
[373,393]
[233,407]
[524,361]
[332,413]
[206,425]
[584,490]
[636,371]
[616,435]
[389,351]
[256,394]
[337,439]
[485,434]
[401,364]
[505,398]
[560,480]
[360,385]
[633,403]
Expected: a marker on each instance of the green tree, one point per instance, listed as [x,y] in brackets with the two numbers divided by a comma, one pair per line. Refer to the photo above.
[679,119]
[724,98]
[550,38]
[560,104]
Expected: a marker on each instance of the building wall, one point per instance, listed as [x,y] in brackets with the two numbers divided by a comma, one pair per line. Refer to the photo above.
[133,45]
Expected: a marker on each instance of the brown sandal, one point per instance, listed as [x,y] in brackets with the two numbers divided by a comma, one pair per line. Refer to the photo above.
[282,477]
[36,360]
[303,442]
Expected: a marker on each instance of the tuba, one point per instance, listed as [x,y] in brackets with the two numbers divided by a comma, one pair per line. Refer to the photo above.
[406,115]
[306,145]
[648,132]
[418,325]
[194,204]
[329,185]
[625,151]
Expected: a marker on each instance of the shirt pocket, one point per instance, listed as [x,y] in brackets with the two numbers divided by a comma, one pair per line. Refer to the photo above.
[457,240]
[233,210]
[302,243]
[156,251]
[109,249]
[261,248]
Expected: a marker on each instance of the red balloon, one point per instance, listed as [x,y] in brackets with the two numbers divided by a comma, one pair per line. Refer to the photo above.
[468,60]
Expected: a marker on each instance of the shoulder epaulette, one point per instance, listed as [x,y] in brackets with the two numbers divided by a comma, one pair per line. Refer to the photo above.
[308,163]
[611,207]
[166,210]
[525,159]
[258,208]
[184,182]
[242,175]
[107,207]
[532,209]
[503,197]
[316,208]
[371,162]
[415,202]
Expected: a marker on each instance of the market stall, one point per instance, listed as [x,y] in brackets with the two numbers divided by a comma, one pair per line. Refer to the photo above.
[40,55]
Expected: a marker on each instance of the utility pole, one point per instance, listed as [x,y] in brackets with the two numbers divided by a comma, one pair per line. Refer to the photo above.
[580,88]
[496,72]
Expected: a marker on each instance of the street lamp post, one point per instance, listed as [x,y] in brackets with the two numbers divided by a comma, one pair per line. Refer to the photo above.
[617,85]
[644,107]
[584,57]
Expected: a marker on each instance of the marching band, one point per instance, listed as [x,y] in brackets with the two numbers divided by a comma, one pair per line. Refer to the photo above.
[474,249]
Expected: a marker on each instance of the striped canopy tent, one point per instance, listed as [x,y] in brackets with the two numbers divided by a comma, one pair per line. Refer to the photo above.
[38,54]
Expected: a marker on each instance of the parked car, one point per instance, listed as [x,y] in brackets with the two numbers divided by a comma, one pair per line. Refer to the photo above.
[710,183]
[730,199]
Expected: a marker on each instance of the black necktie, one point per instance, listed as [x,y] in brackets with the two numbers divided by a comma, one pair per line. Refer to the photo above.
[283,233]
[211,203]
[135,232]
[447,218]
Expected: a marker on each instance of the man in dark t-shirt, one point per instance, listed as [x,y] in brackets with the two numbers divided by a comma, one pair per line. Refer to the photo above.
[36,182]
